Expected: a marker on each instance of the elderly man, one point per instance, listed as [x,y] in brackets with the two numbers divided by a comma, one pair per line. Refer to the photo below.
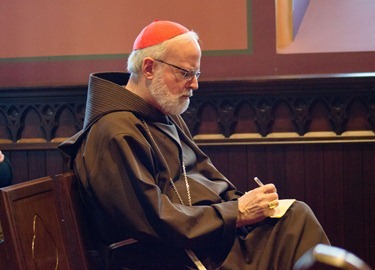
[144,178]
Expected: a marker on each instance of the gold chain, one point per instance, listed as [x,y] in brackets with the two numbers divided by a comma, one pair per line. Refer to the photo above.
[183,170]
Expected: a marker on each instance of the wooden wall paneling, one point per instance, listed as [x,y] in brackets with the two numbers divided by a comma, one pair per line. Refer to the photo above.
[237,172]
[275,163]
[20,165]
[260,163]
[219,157]
[54,162]
[369,196]
[354,200]
[254,157]
[37,164]
[295,172]
[314,175]
[334,212]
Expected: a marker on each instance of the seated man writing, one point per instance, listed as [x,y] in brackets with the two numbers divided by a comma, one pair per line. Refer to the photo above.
[144,177]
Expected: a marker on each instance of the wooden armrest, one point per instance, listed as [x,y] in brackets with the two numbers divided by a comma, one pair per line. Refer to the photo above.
[122,243]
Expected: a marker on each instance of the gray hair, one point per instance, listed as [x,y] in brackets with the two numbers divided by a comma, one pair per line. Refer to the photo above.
[158,51]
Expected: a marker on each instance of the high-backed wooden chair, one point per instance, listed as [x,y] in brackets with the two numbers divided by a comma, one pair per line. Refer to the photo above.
[81,242]
[324,257]
[45,228]
[31,227]
[76,234]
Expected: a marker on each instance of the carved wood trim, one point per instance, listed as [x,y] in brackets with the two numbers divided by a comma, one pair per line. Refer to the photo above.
[256,110]
[333,100]
[40,117]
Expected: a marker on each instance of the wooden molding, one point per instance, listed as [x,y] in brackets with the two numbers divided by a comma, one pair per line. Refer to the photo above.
[255,110]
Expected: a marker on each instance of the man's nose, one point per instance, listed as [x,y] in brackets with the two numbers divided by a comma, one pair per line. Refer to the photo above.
[193,83]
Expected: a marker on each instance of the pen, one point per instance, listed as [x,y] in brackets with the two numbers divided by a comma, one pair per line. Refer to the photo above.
[256,179]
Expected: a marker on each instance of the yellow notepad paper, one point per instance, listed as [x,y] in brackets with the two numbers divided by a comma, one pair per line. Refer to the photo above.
[283,206]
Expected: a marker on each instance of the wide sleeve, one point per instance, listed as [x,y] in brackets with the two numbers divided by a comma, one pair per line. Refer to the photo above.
[128,182]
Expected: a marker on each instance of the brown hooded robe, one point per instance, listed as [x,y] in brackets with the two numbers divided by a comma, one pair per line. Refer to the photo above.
[126,155]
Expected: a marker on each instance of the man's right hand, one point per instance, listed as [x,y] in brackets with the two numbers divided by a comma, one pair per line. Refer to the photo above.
[254,206]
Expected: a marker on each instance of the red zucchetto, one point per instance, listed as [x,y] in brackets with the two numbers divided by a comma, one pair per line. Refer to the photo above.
[157,32]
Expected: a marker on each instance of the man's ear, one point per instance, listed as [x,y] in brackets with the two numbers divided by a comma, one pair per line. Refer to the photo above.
[148,67]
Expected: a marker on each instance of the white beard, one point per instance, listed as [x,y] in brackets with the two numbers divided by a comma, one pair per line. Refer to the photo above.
[168,102]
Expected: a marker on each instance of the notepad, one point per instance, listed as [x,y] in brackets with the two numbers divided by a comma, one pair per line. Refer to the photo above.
[283,206]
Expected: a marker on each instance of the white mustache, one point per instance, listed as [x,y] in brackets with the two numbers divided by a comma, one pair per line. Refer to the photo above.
[190,93]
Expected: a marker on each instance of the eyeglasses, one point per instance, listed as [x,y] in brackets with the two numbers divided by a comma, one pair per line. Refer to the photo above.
[187,74]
